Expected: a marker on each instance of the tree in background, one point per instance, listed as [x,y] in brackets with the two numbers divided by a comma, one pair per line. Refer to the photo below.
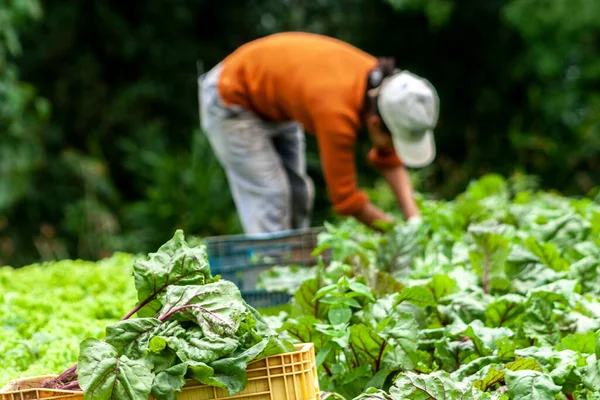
[23,119]
[121,163]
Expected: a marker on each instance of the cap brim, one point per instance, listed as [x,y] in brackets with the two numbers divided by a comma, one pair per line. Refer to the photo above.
[418,153]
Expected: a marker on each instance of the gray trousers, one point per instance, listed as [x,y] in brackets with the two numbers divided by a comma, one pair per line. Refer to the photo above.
[265,162]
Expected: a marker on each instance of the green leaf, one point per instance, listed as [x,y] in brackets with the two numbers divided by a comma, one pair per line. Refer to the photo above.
[168,382]
[488,260]
[416,295]
[584,343]
[485,339]
[505,311]
[547,254]
[522,364]
[230,373]
[506,348]
[334,396]
[452,354]
[203,374]
[466,371]
[323,354]
[441,286]
[564,231]
[539,323]
[367,345]
[495,376]
[193,345]
[385,284]
[561,291]
[369,394]
[529,384]
[205,306]
[106,375]
[302,330]
[437,386]
[480,348]
[399,351]
[325,290]
[492,378]
[339,316]
[132,337]
[587,272]
[157,345]
[121,334]
[591,375]
[162,360]
[402,344]
[542,354]
[565,369]
[362,289]
[303,302]
[466,306]
[174,264]
[401,246]
[400,330]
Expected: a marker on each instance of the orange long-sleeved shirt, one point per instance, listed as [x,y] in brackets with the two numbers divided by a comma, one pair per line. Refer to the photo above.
[319,82]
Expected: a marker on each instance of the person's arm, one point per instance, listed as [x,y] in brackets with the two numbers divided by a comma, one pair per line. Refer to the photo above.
[370,213]
[399,181]
[336,138]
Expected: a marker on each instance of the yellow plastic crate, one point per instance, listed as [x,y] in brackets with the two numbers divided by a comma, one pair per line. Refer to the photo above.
[289,376]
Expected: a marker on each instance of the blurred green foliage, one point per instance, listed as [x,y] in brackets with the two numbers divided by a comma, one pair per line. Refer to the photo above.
[100,150]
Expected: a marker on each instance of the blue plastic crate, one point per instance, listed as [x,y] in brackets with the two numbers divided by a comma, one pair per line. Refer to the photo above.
[242,258]
[262,299]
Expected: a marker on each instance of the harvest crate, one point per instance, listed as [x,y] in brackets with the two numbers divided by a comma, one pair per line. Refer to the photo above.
[289,376]
[242,258]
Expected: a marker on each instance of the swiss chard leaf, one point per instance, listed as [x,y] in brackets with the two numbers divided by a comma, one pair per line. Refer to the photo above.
[174,264]
[591,375]
[437,386]
[583,343]
[452,354]
[169,381]
[441,286]
[488,259]
[304,302]
[547,254]
[193,345]
[528,384]
[132,337]
[539,323]
[417,295]
[492,378]
[587,272]
[217,308]
[106,375]
[505,311]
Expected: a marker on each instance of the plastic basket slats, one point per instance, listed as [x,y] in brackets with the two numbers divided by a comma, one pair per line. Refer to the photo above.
[262,299]
[288,376]
[242,258]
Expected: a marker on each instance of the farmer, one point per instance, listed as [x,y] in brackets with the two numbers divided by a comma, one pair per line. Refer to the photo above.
[256,103]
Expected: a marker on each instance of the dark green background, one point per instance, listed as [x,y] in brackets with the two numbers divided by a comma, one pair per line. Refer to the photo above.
[99,142]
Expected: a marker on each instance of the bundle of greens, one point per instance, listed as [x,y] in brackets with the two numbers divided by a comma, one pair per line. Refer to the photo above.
[188,325]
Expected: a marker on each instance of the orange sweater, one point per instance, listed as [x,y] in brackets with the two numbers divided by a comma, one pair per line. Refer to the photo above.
[319,82]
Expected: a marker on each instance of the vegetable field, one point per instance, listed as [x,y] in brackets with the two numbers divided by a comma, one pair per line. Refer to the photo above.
[495,295]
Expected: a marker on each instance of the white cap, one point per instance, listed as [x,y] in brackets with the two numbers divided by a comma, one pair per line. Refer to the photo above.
[409,106]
